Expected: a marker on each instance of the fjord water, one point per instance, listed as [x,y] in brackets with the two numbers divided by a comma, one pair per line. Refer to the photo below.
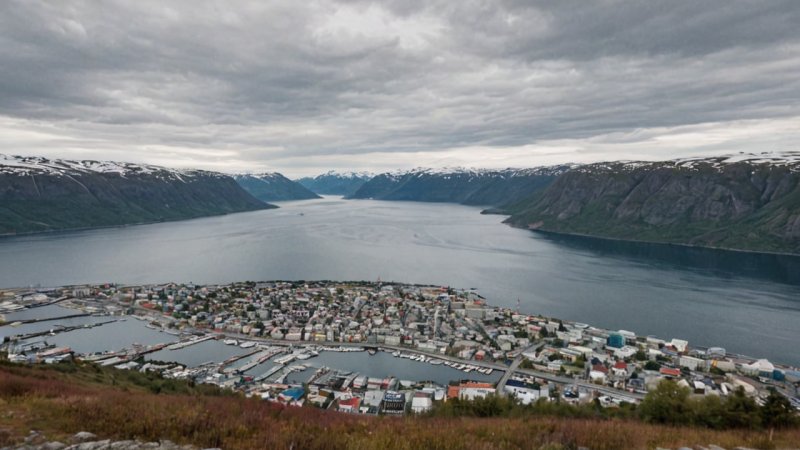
[747,303]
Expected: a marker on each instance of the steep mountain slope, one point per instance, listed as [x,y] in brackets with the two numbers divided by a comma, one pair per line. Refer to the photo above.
[746,202]
[38,194]
[273,187]
[474,187]
[336,183]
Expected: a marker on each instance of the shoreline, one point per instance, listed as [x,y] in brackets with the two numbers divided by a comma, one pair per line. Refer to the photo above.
[155,316]
[131,224]
[640,241]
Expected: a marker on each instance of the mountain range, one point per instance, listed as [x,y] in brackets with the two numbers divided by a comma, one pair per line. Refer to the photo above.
[39,194]
[744,202]
[467,186]
[273,187]
[336,183]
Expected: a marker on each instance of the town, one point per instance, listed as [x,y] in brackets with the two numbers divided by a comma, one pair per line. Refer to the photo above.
[495,351]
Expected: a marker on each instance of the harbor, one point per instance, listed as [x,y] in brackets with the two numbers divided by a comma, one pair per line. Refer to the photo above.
[419,341]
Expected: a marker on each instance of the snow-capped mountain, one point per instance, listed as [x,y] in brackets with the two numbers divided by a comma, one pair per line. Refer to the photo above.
[273,187]
[460,185]
[335,182]
[37,165]
[41,194]
[744,201]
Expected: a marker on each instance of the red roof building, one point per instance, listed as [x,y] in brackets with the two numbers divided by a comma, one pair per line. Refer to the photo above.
[670,372]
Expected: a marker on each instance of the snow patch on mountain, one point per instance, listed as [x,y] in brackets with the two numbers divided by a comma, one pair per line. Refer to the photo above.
[37,165]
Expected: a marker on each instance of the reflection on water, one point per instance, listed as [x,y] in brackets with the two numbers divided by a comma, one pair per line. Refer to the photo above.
[719,263]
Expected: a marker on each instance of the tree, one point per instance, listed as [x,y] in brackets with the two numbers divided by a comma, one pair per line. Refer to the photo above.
[741,411]
[777,411]
[652,365]
[667,403]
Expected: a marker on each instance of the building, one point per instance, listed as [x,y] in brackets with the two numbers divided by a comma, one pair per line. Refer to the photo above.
[292,394]
[350,405]
[690,362]
[670,372]
[524,392]
[620,369]
[470,390]
[760,368]
[393,403]
[615,340]
[421,403]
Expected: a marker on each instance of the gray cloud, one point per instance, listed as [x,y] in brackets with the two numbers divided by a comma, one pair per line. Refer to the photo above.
[306,86]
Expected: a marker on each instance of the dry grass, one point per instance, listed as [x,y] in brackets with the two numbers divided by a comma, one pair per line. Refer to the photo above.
[61,404]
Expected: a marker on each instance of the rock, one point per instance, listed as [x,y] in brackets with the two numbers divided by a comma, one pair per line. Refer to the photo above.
[84,436]
[94,445]
[34,437]
[124,445]
[101,445]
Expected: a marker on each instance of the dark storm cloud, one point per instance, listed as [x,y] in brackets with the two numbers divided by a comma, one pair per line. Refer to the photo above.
[303,86]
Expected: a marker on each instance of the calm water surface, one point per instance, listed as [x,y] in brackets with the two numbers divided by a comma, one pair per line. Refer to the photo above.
[745,302]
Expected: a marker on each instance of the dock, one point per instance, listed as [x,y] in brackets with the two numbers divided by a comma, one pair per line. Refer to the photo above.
[184,344]
[26,321]
[269,373]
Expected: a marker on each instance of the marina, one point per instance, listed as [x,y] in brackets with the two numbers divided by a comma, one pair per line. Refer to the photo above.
[444,339]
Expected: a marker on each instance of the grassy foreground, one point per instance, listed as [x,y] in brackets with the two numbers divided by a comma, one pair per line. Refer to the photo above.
[61,401]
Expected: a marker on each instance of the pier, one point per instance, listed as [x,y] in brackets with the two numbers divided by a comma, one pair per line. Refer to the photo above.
[184,344]
[27,321]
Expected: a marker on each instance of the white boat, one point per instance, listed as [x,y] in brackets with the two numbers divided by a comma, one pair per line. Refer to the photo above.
[248,344]
[230,342]
[435,362]
[396,354]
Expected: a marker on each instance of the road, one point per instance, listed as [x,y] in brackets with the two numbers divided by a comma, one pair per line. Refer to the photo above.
[513,368]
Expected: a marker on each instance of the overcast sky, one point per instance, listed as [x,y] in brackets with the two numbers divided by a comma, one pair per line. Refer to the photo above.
[306,86]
